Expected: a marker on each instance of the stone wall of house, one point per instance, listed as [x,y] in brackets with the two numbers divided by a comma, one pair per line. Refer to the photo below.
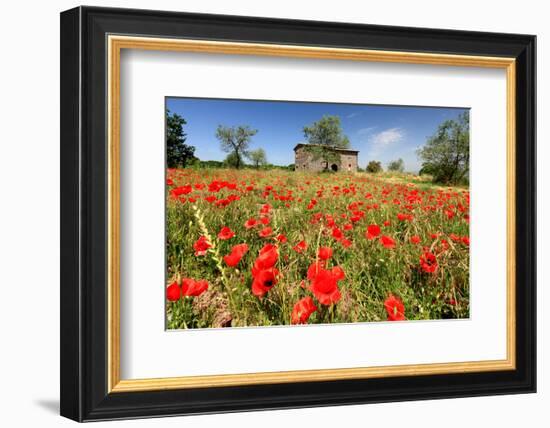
[303,162]
[348,162]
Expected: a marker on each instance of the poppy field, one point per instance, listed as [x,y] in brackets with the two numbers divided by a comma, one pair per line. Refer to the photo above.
[272,247]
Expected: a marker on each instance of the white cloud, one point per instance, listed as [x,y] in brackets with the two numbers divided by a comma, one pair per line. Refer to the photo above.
[383,144]
[386,138]
[365,131]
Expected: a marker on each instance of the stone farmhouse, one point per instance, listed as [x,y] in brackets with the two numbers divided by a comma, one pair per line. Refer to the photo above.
[303,160]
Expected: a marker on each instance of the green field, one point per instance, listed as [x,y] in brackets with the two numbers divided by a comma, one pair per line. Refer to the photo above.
[320,248]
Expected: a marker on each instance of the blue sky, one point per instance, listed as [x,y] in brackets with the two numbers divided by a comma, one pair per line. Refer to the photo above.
[382,133]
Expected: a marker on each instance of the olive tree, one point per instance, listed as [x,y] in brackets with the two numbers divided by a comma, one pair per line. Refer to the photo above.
[374,167]
[396,165]
[257,157]
[235,140]
[446,154]
[323,137]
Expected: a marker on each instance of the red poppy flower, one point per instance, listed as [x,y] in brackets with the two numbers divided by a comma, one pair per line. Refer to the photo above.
[222,202]
[266,259]
[325,253]
[300,247]
[265,209]
[169,182]
[237,253]
[338,273]
[387,223]
[264,280]
[181,190]
[250,223]
[454,237]
[403,217]
[337,233]
[428,262]
[281,238]
[173,292]
[466,240]
[190,287]
[395,308]
[314,269]
[303,310]
[265,232]
[415,239]
[325,286]
[387,242]
[226,233]
[201,246]
[264,220]
[345,242]
[373,231]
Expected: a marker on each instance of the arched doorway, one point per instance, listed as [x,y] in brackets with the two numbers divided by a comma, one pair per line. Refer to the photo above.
[334,167]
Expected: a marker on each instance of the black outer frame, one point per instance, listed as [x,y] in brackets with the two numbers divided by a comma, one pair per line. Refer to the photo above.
[84,214]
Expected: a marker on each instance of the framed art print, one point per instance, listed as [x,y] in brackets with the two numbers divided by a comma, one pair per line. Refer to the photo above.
[261,213]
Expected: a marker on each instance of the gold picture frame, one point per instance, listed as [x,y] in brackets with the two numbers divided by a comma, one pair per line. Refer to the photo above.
[117,43]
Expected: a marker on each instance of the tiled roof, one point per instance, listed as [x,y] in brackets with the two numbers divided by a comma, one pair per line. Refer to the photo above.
[336,148]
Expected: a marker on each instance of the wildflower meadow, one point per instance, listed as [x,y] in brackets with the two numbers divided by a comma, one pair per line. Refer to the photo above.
[252,247]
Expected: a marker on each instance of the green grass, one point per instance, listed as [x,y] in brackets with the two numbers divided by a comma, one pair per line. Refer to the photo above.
[372,271]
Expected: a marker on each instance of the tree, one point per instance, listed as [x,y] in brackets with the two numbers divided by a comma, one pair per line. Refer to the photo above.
[233,160]
[446,154]
[257,157]
[323,137]
[397,165]
[374,166]
[178,154]
[210,164]
[426,169]
[235,140]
